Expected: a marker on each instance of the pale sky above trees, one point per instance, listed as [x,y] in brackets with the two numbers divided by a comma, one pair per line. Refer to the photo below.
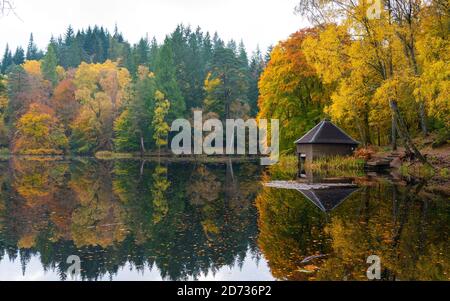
[262,22]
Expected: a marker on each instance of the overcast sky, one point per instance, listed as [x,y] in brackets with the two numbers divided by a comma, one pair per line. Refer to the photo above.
[257,22]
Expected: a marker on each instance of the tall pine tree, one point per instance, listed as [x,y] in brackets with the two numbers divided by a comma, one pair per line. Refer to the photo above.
[48,66]
[19,56]
[7,60]
[33,52]
[166,80]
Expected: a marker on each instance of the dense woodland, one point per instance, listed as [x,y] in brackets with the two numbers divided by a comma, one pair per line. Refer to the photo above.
[93,91]
[380,78]
[383,78]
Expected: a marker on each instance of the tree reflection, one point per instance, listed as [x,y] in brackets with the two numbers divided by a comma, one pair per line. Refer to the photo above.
[189,220]
[99,218]
[115,213]
[405,226]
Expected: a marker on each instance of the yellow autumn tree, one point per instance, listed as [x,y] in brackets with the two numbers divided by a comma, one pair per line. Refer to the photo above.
[33,67]
[360,54]
[161,128]
[101,90]
[39,132]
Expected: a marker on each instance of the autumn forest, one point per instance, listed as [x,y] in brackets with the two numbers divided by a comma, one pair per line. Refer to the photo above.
[86,167]
[92,91]
[379,78]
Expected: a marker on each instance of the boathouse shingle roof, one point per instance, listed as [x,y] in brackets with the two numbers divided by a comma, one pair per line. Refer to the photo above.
[328,199]
[326,132]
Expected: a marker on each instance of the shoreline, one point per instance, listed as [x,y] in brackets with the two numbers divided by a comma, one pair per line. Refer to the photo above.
[133,157]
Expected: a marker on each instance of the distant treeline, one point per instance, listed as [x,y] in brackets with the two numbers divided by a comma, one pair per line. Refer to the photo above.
[384,79]
[91,90]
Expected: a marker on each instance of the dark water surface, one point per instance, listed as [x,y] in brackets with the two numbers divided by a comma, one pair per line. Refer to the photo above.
[211,221]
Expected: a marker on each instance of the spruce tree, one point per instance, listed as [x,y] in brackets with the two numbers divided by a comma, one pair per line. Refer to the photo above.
[69,37]
[141,52]
[153,54]
[133,129]
[49,64]
[256,68]
[7,60]
[166,80]
[19,56]
[32,50]
[70,50]
[225,84]
[207,50]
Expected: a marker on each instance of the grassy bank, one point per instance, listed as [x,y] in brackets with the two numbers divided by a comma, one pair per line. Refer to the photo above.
[106,155]
[336,164]
[287,167]
[169,157]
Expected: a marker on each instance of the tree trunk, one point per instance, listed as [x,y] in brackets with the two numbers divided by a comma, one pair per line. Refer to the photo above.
[367,127]
[394,133]
[423,119]
[378,136]
[402,137]
[361,133]
[142,146]
[403,132]
[142,167]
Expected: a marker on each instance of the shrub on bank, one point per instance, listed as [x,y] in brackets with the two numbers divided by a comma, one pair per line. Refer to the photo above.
[107,155]
[41,152]
[337,163]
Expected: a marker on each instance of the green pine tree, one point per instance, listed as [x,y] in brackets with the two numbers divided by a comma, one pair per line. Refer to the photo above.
[19,56]
[133,128]
[32,51]
[7,60]
[226,84]
[49,64]
[166,81]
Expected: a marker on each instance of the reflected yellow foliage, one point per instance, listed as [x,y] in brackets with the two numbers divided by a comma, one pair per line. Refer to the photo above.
[160,186]
[99,218]
[402,230]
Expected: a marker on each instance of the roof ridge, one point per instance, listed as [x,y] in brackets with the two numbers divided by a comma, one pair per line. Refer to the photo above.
[322,123]
[326,132]
[308,132]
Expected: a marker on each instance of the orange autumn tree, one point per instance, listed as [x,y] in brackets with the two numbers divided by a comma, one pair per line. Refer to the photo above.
[64,103]
[290,90]
[39,133]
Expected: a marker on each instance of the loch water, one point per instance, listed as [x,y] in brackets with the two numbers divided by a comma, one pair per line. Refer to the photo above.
[175,220]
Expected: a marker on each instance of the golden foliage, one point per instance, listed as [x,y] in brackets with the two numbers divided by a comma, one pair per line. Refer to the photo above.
[33,67]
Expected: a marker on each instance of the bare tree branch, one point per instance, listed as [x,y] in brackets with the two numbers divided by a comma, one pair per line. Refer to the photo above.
[7,8]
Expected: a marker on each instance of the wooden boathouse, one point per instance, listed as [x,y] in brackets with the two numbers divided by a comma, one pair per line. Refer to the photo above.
[324,140]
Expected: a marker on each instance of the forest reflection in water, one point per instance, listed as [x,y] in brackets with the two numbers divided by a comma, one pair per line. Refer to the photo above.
[189,220]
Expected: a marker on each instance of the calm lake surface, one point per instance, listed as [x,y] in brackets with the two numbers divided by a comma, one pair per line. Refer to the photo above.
[127,220]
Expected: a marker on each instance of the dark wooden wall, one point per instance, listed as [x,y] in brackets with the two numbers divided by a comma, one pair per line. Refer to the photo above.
[314,151]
